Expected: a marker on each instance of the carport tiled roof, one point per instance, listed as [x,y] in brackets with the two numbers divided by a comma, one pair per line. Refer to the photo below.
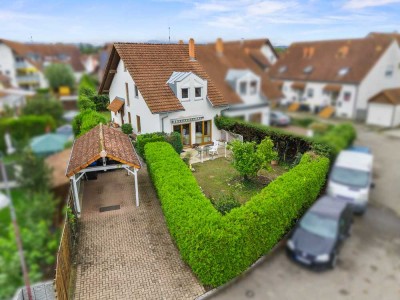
[87,149]
[151,65]
[390,96]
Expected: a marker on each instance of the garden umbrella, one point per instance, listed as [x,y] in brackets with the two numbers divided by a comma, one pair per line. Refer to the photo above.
[49,143]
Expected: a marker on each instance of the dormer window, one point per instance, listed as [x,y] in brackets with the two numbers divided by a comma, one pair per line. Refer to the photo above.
[197,92]
[185,93]
[243,88]
[282,69]
[253,87]
[343,71]
[308,69]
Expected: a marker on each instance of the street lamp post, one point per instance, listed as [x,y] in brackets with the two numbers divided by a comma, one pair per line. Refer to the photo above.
[16,229]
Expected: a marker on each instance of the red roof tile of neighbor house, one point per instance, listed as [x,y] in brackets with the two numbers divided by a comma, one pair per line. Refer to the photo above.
[387,35]
[324,60]
[150,66]
[48,52]
[234,55]
[87,148]
[390,96]
[116,104]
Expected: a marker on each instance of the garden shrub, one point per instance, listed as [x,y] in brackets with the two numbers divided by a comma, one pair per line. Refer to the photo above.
[173,138]
[87,120]
[25,127]
[127,128]
[219,248]
[288,145]
[302,122]
[225,204]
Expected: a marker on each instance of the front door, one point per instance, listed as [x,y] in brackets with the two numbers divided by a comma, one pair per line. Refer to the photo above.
[184,130]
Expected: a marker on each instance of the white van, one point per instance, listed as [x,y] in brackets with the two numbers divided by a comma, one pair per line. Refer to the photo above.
[351,179]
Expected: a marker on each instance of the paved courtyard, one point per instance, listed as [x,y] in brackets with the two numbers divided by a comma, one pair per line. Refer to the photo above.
[128,253]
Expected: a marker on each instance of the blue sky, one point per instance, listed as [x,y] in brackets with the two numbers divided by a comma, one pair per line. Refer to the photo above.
[281,21]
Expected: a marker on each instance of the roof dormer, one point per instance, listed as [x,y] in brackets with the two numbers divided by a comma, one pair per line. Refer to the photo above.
[187,86]
[244,81]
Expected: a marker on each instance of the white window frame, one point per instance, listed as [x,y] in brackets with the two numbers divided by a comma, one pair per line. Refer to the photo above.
[188,94]
[136,91]
[201,93]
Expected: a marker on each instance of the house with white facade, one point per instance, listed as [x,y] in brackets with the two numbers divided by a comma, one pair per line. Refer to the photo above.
[339,76]
[384,109]
[24,63]
[238,68]
[162,88]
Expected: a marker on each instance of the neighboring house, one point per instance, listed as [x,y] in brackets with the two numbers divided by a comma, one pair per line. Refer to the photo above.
[104,54]
[90,62]
[238,70]
[384,109]
[13,99]
[340,75]
[162,87]
[24,63]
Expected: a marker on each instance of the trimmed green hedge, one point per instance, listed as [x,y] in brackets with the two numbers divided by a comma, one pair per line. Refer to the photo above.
[24,128]
[174,138]
[219,248]
[289,145]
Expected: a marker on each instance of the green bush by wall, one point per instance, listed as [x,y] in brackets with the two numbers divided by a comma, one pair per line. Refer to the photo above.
[218,248]
[24,128]
[173,138]
[289,145]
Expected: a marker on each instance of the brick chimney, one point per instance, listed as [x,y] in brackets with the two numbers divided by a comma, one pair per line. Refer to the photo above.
[219,47]
[192,53]
[180,42]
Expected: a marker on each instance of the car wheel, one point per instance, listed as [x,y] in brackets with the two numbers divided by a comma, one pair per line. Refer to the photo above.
[333,261]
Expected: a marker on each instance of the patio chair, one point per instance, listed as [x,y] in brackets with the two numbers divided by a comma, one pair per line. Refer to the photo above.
[213,150]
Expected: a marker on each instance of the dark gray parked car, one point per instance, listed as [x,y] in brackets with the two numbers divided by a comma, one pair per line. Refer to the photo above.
[318,236]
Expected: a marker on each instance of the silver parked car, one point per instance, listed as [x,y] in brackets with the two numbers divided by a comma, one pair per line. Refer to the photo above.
[278,118]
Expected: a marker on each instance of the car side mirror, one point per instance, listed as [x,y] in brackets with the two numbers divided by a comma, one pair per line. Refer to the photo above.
[372,185]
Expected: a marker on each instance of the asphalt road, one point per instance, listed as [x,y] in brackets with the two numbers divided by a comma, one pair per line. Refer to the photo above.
[369,262]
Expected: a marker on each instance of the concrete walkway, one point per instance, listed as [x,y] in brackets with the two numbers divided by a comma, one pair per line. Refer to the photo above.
[128,253]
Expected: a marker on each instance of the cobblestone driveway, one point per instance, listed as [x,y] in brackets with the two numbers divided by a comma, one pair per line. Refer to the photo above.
[128,253]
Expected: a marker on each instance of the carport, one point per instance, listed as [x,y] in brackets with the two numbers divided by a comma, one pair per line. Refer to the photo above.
[101,149]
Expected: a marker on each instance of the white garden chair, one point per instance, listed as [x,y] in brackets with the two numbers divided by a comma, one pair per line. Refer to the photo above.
[214,149]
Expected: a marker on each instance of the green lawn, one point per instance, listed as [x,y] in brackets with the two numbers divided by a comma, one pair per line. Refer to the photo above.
[218,178]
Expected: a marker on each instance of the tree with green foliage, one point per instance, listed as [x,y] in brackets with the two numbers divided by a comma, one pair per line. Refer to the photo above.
[41,106]
[35,175]
[88,81]
[249,158]
[60,75]
[87,120]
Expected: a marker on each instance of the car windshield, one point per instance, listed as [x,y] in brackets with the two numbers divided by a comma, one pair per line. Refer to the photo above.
[319,225]
[350,177]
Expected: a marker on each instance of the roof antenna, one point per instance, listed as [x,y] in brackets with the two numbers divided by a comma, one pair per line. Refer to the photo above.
[31,39]
[169,35]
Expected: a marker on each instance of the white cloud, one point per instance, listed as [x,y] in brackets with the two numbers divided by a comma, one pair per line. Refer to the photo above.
[357,4]
[268,7]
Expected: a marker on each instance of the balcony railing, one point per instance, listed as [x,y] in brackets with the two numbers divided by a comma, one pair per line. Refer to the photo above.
[21,65]
[32,78]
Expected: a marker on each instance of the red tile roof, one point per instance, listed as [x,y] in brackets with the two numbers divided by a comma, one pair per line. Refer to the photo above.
[236,55]
[328,57]
[150,66]
[47,52]
[87,148]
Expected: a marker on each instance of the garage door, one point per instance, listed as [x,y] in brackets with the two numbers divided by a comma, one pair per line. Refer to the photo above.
[380,114]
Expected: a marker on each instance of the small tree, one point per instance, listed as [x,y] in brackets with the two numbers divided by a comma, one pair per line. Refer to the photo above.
[41,106]
[127,128]
[35,176]
[60,75]
[248,158]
